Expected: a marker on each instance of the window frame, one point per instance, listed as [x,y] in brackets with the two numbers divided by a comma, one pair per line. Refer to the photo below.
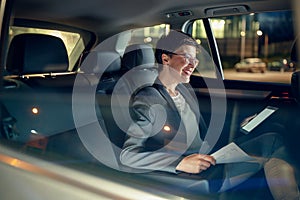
[214,44]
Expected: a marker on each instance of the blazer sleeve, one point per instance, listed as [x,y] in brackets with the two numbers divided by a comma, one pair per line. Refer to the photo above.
[146,113]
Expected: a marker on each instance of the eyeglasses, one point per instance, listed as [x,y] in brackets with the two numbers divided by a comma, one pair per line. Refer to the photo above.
[188,58]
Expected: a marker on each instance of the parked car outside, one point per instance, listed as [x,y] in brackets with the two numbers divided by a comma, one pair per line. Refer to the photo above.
[283,65]
[251,65]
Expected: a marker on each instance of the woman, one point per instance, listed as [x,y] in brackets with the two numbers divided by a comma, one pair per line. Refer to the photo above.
[165,134]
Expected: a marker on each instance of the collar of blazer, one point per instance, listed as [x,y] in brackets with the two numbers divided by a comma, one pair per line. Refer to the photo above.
[189,97]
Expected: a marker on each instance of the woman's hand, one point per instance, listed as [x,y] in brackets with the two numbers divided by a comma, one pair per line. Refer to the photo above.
[195,163]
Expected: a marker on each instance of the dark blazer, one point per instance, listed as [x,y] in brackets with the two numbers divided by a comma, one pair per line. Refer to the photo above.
[149,145]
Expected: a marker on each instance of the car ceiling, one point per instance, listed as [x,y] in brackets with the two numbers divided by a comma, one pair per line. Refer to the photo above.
[116,15]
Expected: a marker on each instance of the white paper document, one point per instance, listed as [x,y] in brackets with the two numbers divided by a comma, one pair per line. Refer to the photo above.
[231,153]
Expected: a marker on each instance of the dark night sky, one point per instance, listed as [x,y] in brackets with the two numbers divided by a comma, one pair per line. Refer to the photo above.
[279,26]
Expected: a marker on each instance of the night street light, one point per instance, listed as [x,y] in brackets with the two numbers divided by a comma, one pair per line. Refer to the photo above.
[259,32]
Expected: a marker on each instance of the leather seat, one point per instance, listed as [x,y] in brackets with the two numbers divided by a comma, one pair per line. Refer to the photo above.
[36,53]
[138,68]
[102,68]
[139,64]
[136,55]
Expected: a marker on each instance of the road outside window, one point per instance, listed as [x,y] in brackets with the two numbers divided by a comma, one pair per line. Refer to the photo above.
[246,39]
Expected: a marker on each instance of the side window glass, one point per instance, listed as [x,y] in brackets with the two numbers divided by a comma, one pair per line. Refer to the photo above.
[73,41]
[206,66]
[256,47]
[148,35]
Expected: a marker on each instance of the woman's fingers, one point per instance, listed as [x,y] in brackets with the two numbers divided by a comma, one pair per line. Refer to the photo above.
[207,158]
[196,163]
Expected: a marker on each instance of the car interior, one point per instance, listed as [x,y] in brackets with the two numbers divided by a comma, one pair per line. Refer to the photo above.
[49,102]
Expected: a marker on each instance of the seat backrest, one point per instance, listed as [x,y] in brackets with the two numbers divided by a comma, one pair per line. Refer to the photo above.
[139,64]
[137,55]
[35,54]
[137,69]
[39,54]
[100,62]
[102,68]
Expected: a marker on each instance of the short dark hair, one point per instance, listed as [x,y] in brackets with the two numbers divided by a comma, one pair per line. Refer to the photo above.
[170,42]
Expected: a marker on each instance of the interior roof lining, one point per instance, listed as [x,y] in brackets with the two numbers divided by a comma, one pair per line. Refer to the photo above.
[92,19]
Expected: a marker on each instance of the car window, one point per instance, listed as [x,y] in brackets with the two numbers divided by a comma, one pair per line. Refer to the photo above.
[265,40]
[206,66]
[148,35]
[73,41]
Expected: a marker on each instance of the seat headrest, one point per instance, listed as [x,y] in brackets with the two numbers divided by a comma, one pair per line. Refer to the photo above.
[36,53]
[136,55]
[295,85]
[101,61]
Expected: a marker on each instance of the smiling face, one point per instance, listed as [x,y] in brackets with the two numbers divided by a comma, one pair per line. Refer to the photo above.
[182,63]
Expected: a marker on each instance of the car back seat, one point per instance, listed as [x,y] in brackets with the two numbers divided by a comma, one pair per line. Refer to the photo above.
[38,77]
[139,64]
[36,53]
[102,68]
[138,55]
[139,69]
[136,69]
[34,63]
